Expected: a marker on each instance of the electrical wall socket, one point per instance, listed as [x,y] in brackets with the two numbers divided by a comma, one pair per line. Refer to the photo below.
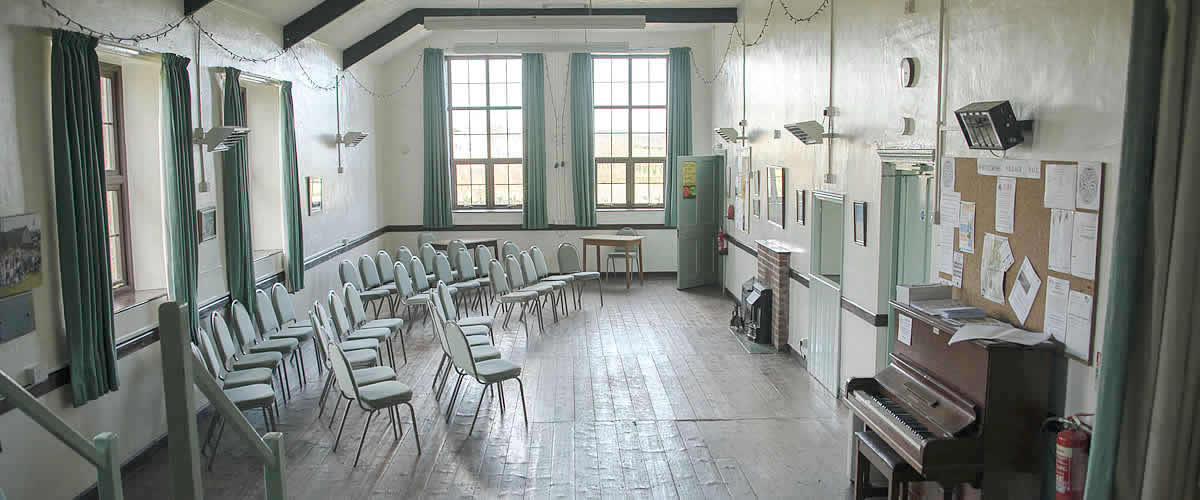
[33,374]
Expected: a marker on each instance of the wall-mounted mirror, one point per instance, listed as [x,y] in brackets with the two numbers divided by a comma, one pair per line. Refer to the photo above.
[776,195]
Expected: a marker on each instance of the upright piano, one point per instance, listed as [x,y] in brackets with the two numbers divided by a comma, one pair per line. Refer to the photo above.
[967,413]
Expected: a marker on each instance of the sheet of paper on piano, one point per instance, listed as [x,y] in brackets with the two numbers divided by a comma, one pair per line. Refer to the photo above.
[999,331]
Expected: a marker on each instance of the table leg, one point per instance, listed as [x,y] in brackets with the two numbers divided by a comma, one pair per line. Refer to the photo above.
[628,272]
[641,267]
[598,260]
[584,257]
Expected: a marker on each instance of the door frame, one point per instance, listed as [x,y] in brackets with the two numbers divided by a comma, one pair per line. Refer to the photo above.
[823,200]
[895,164]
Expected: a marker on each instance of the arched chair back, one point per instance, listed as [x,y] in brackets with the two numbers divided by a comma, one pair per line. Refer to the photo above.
[441,268]
[424,238]
[452,250]
[264,313]
[383,266]
[510,249]
[568,259]
[349,274]
[285,309]
[427,255]
[539,262]
[466,265]
[224,338]
[483,256]
[419,276]
[531,275]
[500,284]
[243,325]
[370,274]
[403,280]
[516,276]
[337,312]
[403,254]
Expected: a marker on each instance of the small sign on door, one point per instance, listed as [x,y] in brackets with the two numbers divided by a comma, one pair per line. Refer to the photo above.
[688,175]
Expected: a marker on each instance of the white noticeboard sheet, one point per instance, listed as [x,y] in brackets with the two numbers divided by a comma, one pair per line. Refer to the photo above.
[1006,200]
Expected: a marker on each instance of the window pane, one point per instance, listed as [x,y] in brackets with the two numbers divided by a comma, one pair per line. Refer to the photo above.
[459,95]
[658,94]
[602,94]
[478,173]
[498,94]
[514,174]
[116,262]
[641,194]
[514,71]
[462,175]
[499,121]
[478,121]
[641,120]
[499,146]
[478,93]
[460,122]
[658,145]
[620,94]
[602,70]
[110,147]
[641,69]
[620,120]
[458,71]
[497,70]
[516,195]
[658,69]
[658,120]
[478,146]
[106,99]
[477,67]
[620,145]
[515,146]
[464,194]
[620,69]
[113,208]
[479,193]
[502,196]
[618,173]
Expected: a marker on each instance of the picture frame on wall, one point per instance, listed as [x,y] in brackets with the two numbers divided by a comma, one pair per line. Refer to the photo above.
[20,254]
[777,195]
[860,223]
[316,200]
[801,196]
[206,223]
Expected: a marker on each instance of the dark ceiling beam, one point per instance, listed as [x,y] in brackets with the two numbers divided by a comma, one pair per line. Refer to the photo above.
[191,6]
[414,17]
[316,18]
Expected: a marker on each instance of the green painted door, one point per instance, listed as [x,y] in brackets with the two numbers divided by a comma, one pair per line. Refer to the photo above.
[699,202]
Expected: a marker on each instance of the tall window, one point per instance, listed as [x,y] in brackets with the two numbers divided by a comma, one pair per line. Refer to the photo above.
[485,131]
[630,94]
[116,195]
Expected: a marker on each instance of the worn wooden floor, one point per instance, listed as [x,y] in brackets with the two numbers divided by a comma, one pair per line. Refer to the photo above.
[649,396]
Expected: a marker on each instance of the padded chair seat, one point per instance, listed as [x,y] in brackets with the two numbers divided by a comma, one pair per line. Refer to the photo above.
[496,370]
[393,324]
[518,297]
[299,324]
[362,358]
[419,299]
[474,330]
[485,321]
[385,394]
[560,277]
[300,333]
[484,353]
[484,281]
[587,275]
[540,288]
[374,293]
[470,285]
[373,375]
[242,378]
[478,340]
[556,284]
[282,345]
[379,334]
[251,396]
[266,360]
[359,344]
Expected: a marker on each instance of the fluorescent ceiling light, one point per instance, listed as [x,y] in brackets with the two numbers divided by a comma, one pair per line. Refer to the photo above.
[494,23]
[521,48]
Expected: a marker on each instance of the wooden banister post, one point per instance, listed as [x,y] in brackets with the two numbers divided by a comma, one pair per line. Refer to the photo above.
[273,470]
[108,482]
[183,445]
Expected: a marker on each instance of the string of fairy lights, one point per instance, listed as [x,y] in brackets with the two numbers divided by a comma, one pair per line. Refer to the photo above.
[158,34]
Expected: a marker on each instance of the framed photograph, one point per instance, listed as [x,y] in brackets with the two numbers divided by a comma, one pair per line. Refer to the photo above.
[757,209]
[776,195]
[801,196]
[860,223]
[315,199]
[206,223]
[20,253]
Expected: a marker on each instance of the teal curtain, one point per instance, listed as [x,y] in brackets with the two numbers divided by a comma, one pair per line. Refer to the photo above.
[533,117]
[292,223]
[679,126]
[79,210]
[437,210]
[583,159]
[181,182]
[235,180]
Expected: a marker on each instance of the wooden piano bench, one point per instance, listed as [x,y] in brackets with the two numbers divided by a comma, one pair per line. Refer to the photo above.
[872,451]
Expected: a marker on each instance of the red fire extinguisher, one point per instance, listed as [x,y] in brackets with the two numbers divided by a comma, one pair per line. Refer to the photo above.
[722,244]
[1070,458]
[729,214]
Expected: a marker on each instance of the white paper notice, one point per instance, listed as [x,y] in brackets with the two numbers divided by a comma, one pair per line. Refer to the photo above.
[1062,229]
[1006,199]
[951,204]
[1079,324]
[966,227]
[959,261]
[945,260]
[1029,169]
[1083,245]
[995,260]
[1087,192]
[1024,290]
[947,174]
[997,331]
[1055,322]
[1060,187]
[904,333]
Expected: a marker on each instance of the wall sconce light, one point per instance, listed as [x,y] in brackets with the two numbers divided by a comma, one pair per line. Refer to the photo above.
[351,139]
[729,134]
[991,125]
[809,132]
[219,138]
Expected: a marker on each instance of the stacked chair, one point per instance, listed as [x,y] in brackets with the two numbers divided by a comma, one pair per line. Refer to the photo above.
[247,389]
[345,329]
[508,297]
[371,280]
[350,274]
[363,356]
[463,290]
[480,345]
[520,282]
[359,320]
[408,295]
[269,324]
[568,264]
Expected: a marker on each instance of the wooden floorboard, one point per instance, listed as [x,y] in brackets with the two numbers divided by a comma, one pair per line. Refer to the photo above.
[648,396]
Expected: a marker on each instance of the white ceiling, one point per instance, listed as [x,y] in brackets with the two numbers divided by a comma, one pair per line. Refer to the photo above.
[371,15]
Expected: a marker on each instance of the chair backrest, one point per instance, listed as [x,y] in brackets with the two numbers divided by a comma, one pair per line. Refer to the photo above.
[499,280]
[229,349]
[459,348]
[337,311]
[568,259]
[216,365]
[404,281]
[341,372]
[539,262]
[203,361]
[403,254]
[448,307]
[424,238]
[349,274]
[264,313]
[370,275]
[483,256]
[420,278]
[243,325]
[438,315]
[319,321]
[285,309]
[466,265]
[383,264]
[627,231]
[510,248]
[516,277]
[354,305]
[427,254]
[531,275]
[452,250]
[441,268]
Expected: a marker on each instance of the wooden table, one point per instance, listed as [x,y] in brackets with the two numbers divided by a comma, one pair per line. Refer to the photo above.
[471,243]
[616,241]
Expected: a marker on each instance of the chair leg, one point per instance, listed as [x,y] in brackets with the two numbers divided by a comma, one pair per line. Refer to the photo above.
[413,413]
[364,438]
[343,426]
[477,407]
[524,411]
[453,397]
[500,391]
[333,415]
[324,394]
[212,458]
[212,426]
[437,372]
[403,348]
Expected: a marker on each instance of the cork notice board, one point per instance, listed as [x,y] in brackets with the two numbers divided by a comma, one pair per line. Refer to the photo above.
[1030,238]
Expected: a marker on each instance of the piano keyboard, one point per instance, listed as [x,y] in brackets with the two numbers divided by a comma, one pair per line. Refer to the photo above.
[904,420]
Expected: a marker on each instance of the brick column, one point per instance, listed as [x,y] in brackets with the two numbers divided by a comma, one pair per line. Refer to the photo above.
[774,259]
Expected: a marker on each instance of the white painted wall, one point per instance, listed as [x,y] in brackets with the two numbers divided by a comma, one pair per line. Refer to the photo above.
[1061,64]
[263,154]
[32,464]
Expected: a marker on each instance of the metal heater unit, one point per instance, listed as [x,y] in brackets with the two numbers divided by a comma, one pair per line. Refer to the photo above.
[756,311]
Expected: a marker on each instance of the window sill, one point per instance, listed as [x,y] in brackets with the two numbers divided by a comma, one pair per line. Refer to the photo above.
[263,254]
[126,300]
[487,210]
[642,209]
